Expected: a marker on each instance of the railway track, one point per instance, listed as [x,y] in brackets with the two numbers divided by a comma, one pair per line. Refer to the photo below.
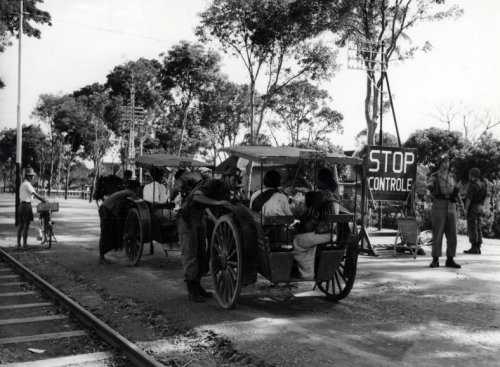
[41,326]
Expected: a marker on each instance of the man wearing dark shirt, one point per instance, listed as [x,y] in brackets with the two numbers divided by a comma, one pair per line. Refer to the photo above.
[112,214]
[197,195]
[476,194]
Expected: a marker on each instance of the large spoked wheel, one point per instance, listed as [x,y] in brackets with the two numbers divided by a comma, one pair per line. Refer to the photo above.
[133,237]
[340,285]
[226,261]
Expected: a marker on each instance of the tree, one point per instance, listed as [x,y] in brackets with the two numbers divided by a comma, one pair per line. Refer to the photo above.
[72,124]
[188,71]
[302,110]
[96,99]
[472,123]
[388,139]
[34,148]
[383,28]
[143,74]
[46,109]
[433,142]
[223,112]
[273,39]
[9,21]
[484,154]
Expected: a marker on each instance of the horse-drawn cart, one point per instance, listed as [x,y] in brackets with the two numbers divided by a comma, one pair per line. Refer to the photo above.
[146,222]
[243,243]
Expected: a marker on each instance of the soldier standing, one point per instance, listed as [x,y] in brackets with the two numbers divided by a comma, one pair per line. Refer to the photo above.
[444,191]
[476,194]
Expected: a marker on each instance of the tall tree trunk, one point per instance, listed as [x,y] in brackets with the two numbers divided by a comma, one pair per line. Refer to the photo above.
[94,180]
[375,112]
[51,172]
[370,129]
[184,122]
[251,116]
[66,184]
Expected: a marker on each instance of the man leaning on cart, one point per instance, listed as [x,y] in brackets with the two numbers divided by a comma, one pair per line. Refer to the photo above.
[197,195]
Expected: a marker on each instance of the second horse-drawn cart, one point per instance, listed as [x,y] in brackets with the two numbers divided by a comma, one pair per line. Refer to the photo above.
[146,222]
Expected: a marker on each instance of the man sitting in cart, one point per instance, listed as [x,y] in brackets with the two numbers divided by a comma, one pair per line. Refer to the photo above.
[155,191]
[315,228]
[197,195]
[232,177]
[270,200]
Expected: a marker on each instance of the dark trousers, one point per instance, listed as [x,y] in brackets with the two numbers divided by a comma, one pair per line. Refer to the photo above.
[193,247]
[444,222]
[474,229]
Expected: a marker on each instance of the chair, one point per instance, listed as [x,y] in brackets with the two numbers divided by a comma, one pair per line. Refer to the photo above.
[408,232]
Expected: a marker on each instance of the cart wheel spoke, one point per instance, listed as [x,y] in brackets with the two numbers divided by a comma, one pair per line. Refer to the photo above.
[225,254]
[232,273]
[230,256]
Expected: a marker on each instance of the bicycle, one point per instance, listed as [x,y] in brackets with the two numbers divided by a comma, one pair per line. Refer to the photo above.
[46,224]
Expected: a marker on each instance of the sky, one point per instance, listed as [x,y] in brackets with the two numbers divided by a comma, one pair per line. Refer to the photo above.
[89,37]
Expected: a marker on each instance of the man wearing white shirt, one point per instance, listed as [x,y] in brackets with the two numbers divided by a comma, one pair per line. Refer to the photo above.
[25,210]
[155,192]
[270,200]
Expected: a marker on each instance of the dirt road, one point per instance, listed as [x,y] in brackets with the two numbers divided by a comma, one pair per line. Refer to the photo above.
[400,313]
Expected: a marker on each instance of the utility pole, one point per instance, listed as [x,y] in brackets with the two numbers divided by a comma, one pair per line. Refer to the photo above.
[131,140]
[19,134]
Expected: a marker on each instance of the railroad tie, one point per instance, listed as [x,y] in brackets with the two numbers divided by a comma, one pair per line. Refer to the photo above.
[75,360]
[10,276]
[15,294]
[39,337]
[26,320]
[11,284]
[25,305]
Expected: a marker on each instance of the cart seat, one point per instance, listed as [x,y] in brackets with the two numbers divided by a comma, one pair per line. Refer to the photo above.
[278,232]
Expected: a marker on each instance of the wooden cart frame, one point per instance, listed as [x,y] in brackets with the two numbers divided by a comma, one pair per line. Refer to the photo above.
[236,257]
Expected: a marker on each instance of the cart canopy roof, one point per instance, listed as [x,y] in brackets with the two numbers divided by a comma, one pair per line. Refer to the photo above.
[168,160]
[288,155]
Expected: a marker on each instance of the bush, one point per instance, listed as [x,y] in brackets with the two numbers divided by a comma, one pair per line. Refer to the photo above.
[461,226]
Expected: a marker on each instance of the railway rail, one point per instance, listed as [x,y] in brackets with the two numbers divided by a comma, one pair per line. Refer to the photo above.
[39,321]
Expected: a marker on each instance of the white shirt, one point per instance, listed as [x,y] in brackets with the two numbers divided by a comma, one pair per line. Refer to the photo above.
[26,192]
[155,192]
[277,205]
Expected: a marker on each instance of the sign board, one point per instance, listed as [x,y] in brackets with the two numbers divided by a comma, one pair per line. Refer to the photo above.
[391,172]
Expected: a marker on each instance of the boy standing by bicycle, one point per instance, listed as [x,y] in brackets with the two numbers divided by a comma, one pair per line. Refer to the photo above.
[25,210]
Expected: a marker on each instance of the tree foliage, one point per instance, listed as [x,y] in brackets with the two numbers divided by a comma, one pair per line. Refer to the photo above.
[273,39]
[483,154]
[431,143]
[9,21]
[223,112]
[32,149]
[303,112]
[384,27]
[188,71]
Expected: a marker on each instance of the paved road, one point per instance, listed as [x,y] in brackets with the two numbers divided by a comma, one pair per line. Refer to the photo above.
[400,313]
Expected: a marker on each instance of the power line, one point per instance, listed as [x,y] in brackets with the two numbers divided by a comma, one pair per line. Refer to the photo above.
[116,31]
[104,29]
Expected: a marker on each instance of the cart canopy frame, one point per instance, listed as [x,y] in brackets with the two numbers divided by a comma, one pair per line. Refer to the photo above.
[266,155]
[164,160]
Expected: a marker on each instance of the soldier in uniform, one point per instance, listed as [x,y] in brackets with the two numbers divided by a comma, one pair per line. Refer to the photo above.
[474,200]
[444,192]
